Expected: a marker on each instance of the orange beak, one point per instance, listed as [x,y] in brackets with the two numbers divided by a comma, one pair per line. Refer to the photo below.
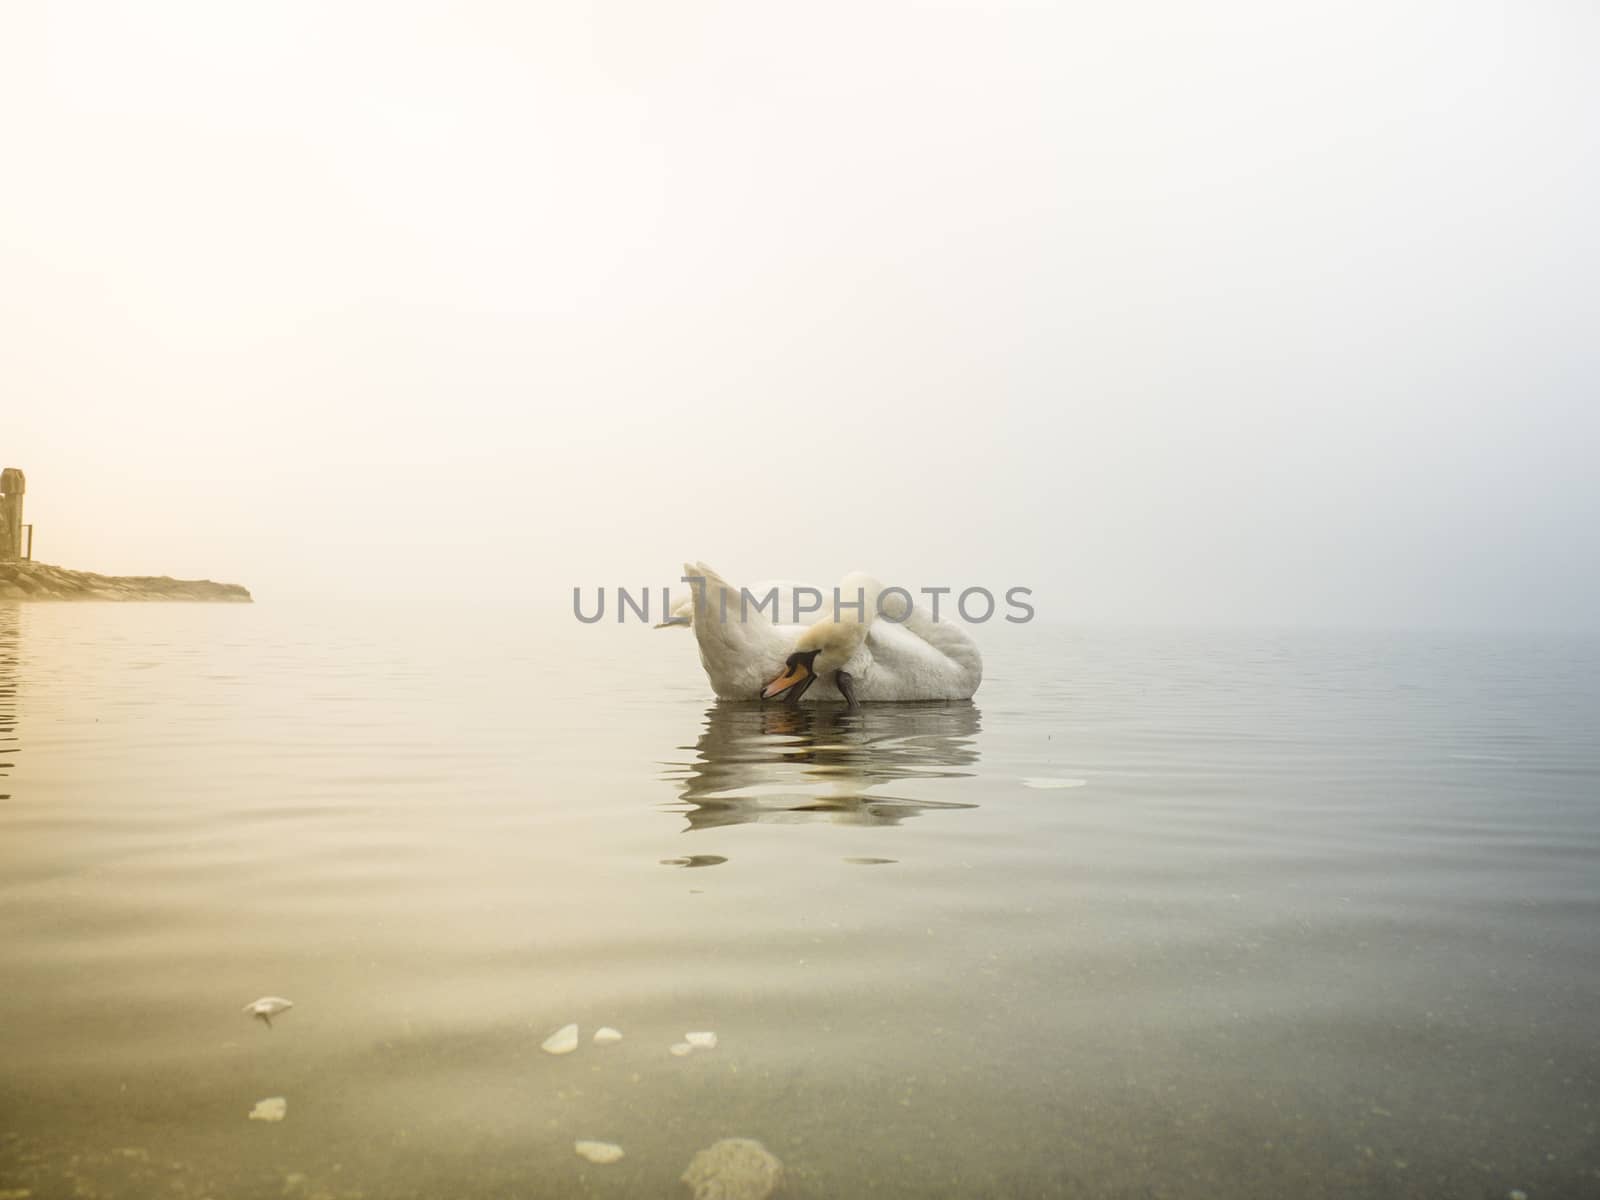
[787,680]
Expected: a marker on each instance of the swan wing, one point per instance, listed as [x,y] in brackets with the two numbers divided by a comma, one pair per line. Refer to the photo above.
[741,651]
[920,660]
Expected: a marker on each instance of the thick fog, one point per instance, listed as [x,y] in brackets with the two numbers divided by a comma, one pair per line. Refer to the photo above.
[1237,312]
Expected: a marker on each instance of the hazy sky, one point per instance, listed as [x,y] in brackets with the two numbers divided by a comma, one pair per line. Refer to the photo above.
[1182,312]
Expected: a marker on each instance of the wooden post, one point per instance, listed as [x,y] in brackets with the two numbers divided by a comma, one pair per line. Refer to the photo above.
[12,485]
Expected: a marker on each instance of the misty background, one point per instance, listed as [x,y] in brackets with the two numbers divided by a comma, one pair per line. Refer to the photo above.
[1238,312]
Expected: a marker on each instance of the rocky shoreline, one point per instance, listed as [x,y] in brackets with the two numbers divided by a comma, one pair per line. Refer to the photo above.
[40,581]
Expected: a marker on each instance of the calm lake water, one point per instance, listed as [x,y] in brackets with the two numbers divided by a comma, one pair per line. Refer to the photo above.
[1295,915]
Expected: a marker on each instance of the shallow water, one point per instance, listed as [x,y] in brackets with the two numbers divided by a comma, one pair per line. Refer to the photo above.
[1160,914]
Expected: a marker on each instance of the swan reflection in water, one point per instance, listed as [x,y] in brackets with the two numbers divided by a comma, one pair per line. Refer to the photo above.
[780,763]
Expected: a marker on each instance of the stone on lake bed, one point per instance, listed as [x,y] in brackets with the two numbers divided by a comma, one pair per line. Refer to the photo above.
[599,1152]
[701,1041]
[605,1035]
[681,1048]
[562,1041]
[268,1007]
[733,1169]
[275,1108]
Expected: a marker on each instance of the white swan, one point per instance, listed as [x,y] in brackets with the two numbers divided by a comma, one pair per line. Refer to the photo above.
[902,655]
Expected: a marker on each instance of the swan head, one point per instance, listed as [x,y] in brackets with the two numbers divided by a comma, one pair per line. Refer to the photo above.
[820,650]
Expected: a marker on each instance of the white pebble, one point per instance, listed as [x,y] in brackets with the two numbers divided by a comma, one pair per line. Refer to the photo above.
[605,1035]
[701,1041]
[681,1048]
[268,1007]
[272,1109]
[599,1152]
[562,1041]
